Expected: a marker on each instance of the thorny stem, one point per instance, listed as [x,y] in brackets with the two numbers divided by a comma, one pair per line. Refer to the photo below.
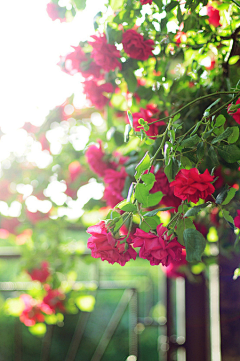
[236,3]
[162,143]
[194,101]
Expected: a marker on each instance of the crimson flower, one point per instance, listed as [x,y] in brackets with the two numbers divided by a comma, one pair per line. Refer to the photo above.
[115,181]
[95,158]
[180,37]
[135,46]
[105,55]
[143,2]
[235,115]
[54,300]
[95,92]
[32,312]
[174,269]
[237,219]
[147,114]
[40,274]
[103,245]
[191,185]
[157,248]
[214,16]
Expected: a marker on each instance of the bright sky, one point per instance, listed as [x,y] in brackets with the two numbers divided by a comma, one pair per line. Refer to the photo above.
[31,44]
[32,83]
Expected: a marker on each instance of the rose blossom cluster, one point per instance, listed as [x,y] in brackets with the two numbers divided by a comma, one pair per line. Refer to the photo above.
[94,66]
[34,311]
[157,248]
[113,174]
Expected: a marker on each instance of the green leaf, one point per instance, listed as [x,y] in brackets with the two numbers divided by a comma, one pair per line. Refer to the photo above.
[196,128]
[195,244]
[127,132]
[152,223]
[176,117]
[195,210]
[127,206]
[141,193]
[131,79]
[228,218]
[206,113]
[142,165]
[171,6]
[220,120]
[80,4]
[172,169]
[233,60]
[155,211]
[234,136]
[222,195]
[116,4]
[231,193]
[230,153]
[200,150]
[130,118]
[222,136]
[190,142]
[213,156]
[186,163]
[149,180]
[207,134]
[153,199]
[182,225]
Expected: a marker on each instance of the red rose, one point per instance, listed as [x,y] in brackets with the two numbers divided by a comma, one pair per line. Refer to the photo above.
[115,181]
[237,219]
[40,274]
[95,158]
[103,245]
[56,12]
[143,2]
[157,248]
[174,269]
[105,55]
[32,312]
[54,300]
[162,184]
[147,114]
[235,115]
[191,185]
[95,93]
[135,46]
[72,61]
[214,17]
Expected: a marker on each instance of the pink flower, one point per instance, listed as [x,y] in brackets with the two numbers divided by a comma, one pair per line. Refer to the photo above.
[135,46]
[56,12]
[162,184]
[35,217]
[40,274]
[115,181]
[105,55]
[72,61]
[75,169]
[32,312]
[95,92]
[214,17]
[103,245]
[191,185]
[237,219]
[143,2]
[95,158]
[54,300]
[235,115]
[44,142]
[157,248]
[10,224]
[173,270]
[147,114]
